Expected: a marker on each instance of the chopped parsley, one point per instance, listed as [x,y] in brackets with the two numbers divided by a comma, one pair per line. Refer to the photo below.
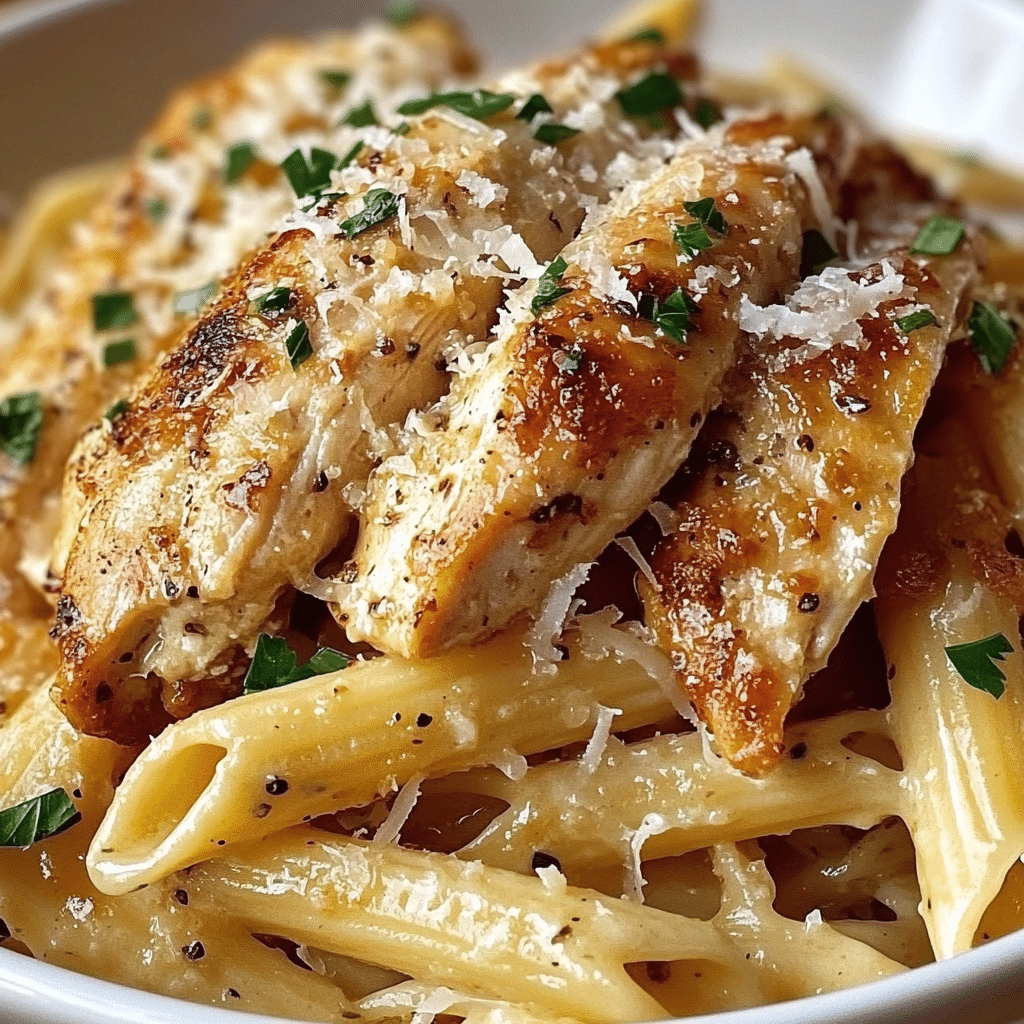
[112,310]
[552,134]
[241,156]
[673,316]
[349,156]
[402,11]
[276,300]
[992,336]
[647,35]
[362,116]
[478,104]
[297,345]
[549,286]
[651,94]
[202,119]
[816,253]
[21,420]
[194,299]
[704,211]
[157,209]
[707,113]
[39,818]
[117,409]
[694,239]
[535,105]
[975,662]
[378,205]
[401,129]
[309,177]
[919,318]
[335,79]
[938,236]
[274,664]
[118,352]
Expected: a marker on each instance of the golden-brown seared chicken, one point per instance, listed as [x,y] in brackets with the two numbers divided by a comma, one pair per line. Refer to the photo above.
[797,485]
[180,217]
[582,410]
[233,471]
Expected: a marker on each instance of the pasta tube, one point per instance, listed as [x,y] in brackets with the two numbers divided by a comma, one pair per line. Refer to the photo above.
[482,931]
[266,761]
[948,580]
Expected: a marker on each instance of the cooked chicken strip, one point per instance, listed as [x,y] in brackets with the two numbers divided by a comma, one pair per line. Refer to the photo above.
[232,473]
[797,485]
[173,222]
[578,416]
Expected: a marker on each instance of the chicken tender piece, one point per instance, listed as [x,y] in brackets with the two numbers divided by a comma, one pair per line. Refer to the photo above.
[174,222]
[796,485]
[583,409]
[233,471]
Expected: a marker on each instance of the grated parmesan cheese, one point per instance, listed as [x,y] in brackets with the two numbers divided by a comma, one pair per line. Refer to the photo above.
[390,828]
[599,740]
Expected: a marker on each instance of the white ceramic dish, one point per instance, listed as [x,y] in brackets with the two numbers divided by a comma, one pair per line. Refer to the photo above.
[78,81]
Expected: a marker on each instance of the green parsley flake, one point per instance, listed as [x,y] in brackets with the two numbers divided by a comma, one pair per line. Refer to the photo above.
[21,420]
[349,156]
[707,113]
[548,287]
[159,153]
[975,662]
[647,35]
[816,253]
[39,818]
[673,316]
[297,345]
[992,336]
[478,104]
[378,205]
[194,299]
[276,300]
[401,12]
[274,664]
[112,310]
[117,409]
[335,79]
[692,239]
[241,156]
[919,318]
[651,94]
[704,211]
[361,117]
[202,119]
[552,134]
[535,105]
[309,177]
[938,236]
[401,129]
[118,352]
[157,209]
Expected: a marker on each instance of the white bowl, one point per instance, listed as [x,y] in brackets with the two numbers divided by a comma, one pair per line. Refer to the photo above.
[64,65]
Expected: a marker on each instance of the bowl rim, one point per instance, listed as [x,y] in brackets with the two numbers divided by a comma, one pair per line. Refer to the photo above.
[920,990]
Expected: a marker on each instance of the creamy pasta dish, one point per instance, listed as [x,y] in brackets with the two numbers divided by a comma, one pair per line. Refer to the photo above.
[517,549]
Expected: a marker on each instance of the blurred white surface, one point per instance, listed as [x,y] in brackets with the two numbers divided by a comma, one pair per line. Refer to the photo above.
[958,78]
